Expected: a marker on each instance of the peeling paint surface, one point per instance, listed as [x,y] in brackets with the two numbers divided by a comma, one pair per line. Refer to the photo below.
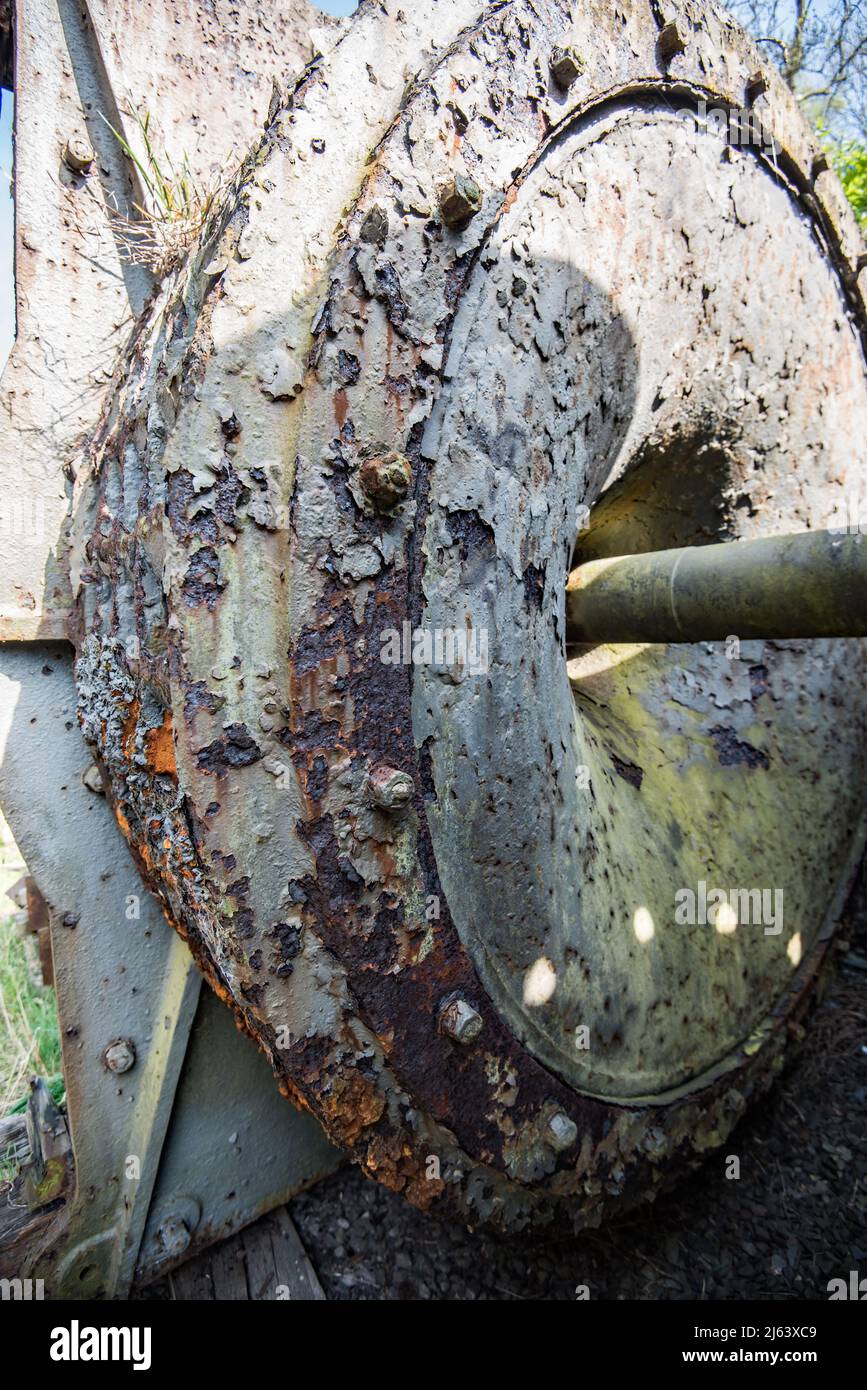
[367,420]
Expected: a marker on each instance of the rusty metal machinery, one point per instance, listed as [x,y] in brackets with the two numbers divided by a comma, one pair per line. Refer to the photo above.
[492,300]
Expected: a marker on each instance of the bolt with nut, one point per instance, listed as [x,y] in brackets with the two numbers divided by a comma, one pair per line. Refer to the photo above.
[460,202]
[566,65]
[390,789]
[670,42]
[77,154]
[119,1056]
[174,1236]
[385,481]
[459,1020]
[561,1132]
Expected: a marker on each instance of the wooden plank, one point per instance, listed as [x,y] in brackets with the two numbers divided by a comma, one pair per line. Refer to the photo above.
[261,1275]
[295,1273]
[192,1283]
[229,1271]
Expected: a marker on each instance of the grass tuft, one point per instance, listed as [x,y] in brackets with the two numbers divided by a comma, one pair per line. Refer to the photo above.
[29,1031]
[159,234]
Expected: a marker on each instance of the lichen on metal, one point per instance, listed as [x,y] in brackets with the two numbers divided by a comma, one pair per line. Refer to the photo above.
[449,302]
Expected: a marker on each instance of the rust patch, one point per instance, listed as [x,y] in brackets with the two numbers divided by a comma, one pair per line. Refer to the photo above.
[160,748]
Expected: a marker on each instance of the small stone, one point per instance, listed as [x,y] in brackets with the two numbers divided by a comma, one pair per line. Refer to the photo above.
[93,781]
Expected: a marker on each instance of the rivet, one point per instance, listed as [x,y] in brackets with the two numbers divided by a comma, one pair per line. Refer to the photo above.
[460,202]
[386,480]
[561,1132]
[389,788]
[566,65]
[77,154]
[670,43]
[119,1056]
[459,1020]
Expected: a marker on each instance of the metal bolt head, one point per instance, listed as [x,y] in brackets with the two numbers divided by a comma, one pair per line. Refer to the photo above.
[459,1020]
[566,65]
[460,202]
[386,480]
[77,154]
[670,42]
[174,1235]
[389,788]
[756,87]
[561,1132]
[119,1056]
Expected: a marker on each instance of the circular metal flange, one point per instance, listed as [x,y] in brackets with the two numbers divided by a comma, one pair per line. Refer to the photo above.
[640,318]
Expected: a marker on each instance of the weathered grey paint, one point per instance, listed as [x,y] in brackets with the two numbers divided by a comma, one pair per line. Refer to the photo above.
[680,300]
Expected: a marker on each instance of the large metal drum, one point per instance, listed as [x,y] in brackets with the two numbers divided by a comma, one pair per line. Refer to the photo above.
[525,923]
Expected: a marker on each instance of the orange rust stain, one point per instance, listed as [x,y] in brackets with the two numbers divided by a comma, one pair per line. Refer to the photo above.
[129,728]
[160,749]
[341,408]
[353,1104]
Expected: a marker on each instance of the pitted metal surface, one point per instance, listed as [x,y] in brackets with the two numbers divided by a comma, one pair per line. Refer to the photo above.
[651,305]
[245,557]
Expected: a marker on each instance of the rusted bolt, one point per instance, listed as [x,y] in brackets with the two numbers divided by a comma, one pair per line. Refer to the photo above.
[77,154]
[386,480]
[670,42]
[389,788]
[119,1056]
[566,65]
[174,1235]
[459,1020]
[460,202]
[756,87]
[561,1132]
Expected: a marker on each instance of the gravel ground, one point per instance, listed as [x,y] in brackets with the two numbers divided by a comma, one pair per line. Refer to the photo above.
[796,1218]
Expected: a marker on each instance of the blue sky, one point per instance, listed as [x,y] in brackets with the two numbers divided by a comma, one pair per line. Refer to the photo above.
[7,308]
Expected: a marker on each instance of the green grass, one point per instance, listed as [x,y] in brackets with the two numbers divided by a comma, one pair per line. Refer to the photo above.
[29,1033]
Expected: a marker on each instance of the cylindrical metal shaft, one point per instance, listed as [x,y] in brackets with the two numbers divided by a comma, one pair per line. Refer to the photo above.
[809,585]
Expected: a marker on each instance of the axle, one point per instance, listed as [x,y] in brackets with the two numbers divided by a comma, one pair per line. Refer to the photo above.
[809,585]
